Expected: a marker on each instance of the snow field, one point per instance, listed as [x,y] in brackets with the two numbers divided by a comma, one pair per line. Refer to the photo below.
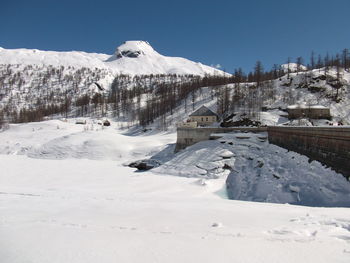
[88,207]
[96,211]
[61,140]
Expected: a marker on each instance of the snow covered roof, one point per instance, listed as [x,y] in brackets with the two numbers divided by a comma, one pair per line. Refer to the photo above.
[203,111]
[304,106]
[296,106]
[318,107]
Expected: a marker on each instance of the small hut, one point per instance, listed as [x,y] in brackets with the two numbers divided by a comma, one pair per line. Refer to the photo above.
[204,116]
[312,112]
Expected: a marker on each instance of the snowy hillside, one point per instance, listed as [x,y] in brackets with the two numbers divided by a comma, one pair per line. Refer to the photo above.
[71,84]
[48,83]
[293,67]
[315,87]
[323,87]
[132,57]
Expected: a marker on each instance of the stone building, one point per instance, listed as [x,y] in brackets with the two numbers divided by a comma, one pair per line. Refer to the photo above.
[312,112]
[203,116]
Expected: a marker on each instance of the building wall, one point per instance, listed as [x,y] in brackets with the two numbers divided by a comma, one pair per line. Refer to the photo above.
[190,124]
[312,113]
[204,120]
[329,145]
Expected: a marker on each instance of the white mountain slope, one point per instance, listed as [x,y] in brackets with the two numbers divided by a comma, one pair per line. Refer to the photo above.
[132,57]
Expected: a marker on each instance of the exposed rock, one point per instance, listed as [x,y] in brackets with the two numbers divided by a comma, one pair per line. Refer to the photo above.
[277,176]
[227,167]
[144,165]
[217,224]
[129,53]
[239,123]
[260,164]
[106,123]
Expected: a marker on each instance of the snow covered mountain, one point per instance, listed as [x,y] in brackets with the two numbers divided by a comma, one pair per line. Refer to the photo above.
[30,79]
[132,57]
[71,83]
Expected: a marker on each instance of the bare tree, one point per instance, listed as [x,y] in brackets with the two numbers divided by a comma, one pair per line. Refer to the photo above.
[312,60]
[258,73]
[345,59]
[288,66]
[300,62]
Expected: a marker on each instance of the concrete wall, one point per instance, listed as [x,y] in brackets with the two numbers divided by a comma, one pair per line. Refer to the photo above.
[189,136]
[191,124]
[313,113]
[329,145]
[204,120]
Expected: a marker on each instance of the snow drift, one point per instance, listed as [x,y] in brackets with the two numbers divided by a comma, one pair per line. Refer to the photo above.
[261,172]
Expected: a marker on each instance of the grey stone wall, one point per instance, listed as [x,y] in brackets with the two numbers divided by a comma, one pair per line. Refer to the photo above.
[329,145]
[313,113]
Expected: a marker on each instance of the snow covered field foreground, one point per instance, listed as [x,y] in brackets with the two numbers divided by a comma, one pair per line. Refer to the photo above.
[83,205]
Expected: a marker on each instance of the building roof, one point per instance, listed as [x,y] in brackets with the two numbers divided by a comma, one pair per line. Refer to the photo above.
[304,106]
[203,111]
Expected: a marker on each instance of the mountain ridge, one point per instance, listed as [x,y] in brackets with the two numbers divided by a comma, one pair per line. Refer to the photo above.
[139,59]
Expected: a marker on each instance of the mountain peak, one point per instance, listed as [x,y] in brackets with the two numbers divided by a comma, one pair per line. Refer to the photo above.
[134,49]
[132,57]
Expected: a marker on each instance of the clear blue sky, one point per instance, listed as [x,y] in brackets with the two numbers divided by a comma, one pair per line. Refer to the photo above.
[231,33]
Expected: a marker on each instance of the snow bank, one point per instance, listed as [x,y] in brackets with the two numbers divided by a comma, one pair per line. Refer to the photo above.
[305,106]
[66,140]
[259,171]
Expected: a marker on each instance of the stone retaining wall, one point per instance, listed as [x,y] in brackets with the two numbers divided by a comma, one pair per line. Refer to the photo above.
[329,145]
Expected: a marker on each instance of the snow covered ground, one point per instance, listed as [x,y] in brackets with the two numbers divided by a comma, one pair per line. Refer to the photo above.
[65,196]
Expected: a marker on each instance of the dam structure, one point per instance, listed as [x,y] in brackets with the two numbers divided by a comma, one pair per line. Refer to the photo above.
[329,145]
